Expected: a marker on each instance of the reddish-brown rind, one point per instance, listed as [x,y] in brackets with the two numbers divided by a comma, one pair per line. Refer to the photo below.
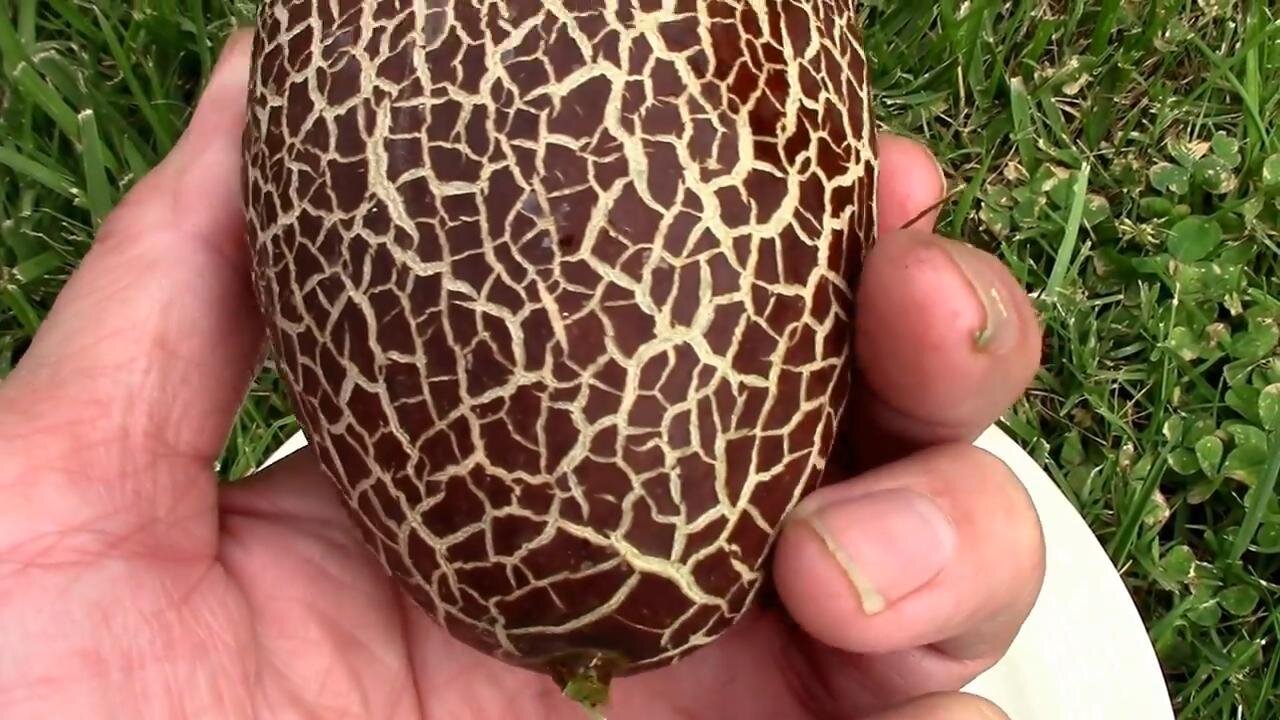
[563,295]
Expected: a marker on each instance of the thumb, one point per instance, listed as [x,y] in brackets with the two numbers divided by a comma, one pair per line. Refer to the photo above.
[154,338]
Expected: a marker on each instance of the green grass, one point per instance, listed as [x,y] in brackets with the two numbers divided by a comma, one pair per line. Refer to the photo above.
[1122,157]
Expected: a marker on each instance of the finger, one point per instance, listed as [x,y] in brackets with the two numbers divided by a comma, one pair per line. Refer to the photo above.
[909,187]
[919,573]
[154,340]
[946,341]
[944,706]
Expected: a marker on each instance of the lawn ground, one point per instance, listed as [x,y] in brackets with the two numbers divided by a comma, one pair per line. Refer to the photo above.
[1121,156]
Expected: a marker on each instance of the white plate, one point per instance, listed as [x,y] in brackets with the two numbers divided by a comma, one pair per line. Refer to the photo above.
[1084,653]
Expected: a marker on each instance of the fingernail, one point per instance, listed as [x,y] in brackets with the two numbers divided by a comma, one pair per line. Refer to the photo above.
[998,333]
[888,543]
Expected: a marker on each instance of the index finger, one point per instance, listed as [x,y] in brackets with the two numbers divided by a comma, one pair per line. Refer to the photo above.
[946,339]
[946,342]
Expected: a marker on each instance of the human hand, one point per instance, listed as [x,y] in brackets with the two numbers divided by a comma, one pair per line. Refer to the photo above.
[134,586]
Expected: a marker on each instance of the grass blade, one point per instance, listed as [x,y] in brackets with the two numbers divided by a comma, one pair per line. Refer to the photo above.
[163,133]
[33,85]
[37,267]
[1067,248]
[97,191]
[42,174]
[1020,109]
[1258,498]
[27,21]
[21,308]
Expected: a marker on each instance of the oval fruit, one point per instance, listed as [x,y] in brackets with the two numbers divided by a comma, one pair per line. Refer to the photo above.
[562,294]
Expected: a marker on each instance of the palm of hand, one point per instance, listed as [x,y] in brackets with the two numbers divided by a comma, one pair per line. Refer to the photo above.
[271,606]
[134,587]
